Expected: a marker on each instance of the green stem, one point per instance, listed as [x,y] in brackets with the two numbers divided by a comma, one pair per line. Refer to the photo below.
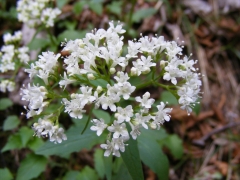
[89,117]
[144,85]
[129,24]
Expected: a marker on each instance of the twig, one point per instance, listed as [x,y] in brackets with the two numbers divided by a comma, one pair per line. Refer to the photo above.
[201,141]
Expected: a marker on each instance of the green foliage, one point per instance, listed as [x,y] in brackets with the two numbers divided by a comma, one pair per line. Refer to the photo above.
[174,144]
[115,7]
[120,171]
[87,173]
[99,163]
[70,35]
[31,167]
[102,114]
[152,155]
[78,7]
[167,96]
[76,142]
[13,142]
[61,3]
[5,103]
[132,160]
[11,122]
[96,6]
[143,13]
[6,174]
[37,44]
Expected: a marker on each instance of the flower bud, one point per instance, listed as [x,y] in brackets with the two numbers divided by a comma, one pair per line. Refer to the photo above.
[153,125]
[112,70]
[99,89]
[133,71]
[73,96]
[90,76]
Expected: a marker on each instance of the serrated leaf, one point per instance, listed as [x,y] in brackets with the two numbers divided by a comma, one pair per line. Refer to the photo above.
[10,123]
[70,35]
[14,142]
[167,96]
[26,134]
[151,154]
[74,143]
[174,144]
[98,113]
[132,160]
[143,13]
[37,43]
[99,163]
[5,103]
[6,174]
[31,167]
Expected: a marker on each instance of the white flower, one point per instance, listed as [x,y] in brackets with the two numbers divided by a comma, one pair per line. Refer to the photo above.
[74,107]
[22,54]
[65,81]
[140,119]
[99,126]
[7,85]
[110,148]
[135,130]
[36,96]
[145,101]
[124,114]
[162,114]
[121,78]
[57,135]
[125,90]
[118,129]
[49,15]
[86,96]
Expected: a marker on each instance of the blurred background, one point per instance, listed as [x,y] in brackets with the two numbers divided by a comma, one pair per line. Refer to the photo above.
[208,143]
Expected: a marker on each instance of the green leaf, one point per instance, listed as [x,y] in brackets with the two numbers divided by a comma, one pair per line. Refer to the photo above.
[37,43]
[70,35]
[6,174]
[61,3]
[197,107]
[151,154]
[174,144]
[78,7]
[35,143]
[5,103]
[87,173]
[99,82]
[167,96]
[26,134]
[74,143]
[10,123]
[143,13]
[120,171]
[132,160]
[96,6]
[31,167]
[14,142]
[71,175]
[115,7]
[108,166]
[98,113]
[99,163]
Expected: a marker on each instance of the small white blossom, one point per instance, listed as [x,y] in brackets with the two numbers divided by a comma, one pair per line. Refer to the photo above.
[145,101]
[124,114]
[118,129]
[99,126]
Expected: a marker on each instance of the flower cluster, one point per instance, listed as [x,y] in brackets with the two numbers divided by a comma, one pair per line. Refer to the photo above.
[45,127]
[99,58]
[11,57]
[34,13]
[7,85]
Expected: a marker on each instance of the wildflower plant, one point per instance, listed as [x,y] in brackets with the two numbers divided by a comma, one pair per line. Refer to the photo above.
[102,71]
